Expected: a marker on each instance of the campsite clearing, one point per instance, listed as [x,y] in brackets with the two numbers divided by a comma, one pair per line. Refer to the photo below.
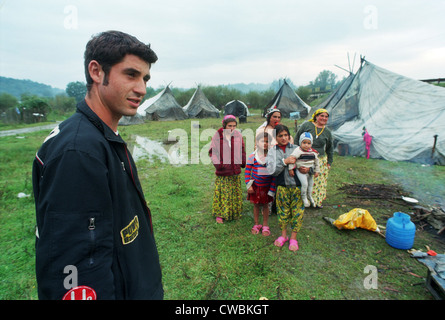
[204,260]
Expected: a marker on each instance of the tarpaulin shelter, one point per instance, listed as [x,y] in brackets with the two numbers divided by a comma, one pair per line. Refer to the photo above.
[287,101]
[200,107]
[129,120]
[405,117]
[236,108]
[162,106]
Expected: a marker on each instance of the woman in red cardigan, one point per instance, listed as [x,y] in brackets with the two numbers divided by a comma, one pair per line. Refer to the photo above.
[228,155]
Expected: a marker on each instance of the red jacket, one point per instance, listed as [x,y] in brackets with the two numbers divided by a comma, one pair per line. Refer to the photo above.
[228,159]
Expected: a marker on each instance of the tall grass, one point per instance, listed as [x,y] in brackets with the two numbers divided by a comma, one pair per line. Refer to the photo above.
[204,260]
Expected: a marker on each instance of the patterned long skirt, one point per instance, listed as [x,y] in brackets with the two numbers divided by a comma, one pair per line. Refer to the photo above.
[227,198]
[290,208]
[321,182]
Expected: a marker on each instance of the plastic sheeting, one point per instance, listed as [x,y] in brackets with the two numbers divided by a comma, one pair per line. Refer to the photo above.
[356,218]
[401,114]
[287,101]
[162,106]
[200,107]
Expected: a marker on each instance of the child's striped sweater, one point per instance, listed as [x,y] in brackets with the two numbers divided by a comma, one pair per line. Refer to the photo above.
[256,173]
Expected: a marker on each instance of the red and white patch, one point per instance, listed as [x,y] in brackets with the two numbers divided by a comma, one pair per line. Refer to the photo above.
[80,293]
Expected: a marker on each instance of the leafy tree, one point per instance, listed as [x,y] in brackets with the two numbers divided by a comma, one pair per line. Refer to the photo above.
[35,104]
[7,101]
[304,92]
[325,80]
[77,90]
[61,104]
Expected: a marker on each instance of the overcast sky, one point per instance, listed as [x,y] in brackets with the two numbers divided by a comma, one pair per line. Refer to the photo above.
[226,41]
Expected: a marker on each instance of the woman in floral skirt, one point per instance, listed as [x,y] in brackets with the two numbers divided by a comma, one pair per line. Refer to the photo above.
[228,155]
[323,143]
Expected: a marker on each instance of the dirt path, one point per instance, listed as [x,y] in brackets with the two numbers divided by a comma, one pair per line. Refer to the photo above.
[48,127]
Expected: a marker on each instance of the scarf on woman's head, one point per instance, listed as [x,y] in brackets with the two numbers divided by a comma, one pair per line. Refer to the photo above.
[317,112]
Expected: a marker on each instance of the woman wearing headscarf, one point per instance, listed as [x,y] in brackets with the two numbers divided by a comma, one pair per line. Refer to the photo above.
[273,118]
[323,143]
[228,155]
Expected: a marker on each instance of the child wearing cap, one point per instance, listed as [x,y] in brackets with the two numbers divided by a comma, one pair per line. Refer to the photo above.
[306,157]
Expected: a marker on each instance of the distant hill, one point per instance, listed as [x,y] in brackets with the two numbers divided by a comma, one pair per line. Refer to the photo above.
[245,88]
[17,87]
[274,86]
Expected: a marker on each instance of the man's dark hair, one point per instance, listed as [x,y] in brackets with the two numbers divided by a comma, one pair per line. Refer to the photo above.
[110,47]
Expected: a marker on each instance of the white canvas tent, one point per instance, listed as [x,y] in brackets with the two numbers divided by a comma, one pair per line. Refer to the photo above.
[405,117]
[200,107]
[162,106]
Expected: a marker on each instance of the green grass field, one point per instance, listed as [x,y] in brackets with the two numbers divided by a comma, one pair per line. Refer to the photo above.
[204,260]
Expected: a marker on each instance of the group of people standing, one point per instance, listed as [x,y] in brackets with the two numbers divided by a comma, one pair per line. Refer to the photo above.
[94,231]
[293,176]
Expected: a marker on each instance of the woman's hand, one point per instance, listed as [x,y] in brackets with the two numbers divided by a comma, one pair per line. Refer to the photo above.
[290,159]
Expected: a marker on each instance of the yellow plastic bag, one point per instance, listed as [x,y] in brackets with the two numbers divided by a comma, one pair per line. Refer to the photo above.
[356,218]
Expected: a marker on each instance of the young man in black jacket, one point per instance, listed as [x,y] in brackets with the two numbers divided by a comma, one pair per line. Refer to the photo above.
[94,231]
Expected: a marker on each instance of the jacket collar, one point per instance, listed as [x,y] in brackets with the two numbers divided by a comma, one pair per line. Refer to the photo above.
[82,107]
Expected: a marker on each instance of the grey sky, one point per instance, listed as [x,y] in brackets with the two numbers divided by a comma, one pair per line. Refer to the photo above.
[220,42]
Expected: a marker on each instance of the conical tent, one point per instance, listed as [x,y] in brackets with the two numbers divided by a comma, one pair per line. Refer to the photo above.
[129,120]
[338,93]
[236,108]
[162,106]
[405,117]
[287,101]
[200,107]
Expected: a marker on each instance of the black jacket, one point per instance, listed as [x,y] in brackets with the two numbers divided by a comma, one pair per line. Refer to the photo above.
[91,214]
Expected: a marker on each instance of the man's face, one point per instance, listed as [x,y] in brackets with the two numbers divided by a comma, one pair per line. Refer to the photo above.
[126,86]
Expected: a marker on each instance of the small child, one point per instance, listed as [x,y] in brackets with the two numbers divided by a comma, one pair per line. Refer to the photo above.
[308,158]
[260,185]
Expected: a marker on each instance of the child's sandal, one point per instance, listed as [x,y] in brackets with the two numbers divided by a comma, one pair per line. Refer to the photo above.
[280,241]
[266,231]
[219,220]
[293,245]
[256,229]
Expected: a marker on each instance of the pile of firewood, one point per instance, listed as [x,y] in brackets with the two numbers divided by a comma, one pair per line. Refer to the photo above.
[435,216]
[373,191]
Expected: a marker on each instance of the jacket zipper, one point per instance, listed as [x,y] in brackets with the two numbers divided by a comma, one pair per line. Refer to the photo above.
[92,230]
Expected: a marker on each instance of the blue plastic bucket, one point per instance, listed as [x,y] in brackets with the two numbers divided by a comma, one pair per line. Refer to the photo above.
[400,231]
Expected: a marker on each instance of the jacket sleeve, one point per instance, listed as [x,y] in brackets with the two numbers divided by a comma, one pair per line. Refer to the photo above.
[214,151]
[75,228]
[248,172]
[274,162]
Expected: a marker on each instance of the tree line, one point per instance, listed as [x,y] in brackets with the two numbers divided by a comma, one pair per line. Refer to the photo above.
[31,108]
